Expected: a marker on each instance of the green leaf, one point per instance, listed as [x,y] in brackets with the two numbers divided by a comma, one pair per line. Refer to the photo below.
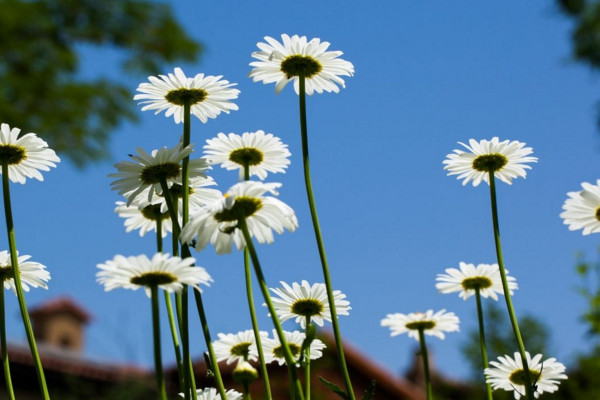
[334,388]
[370,392]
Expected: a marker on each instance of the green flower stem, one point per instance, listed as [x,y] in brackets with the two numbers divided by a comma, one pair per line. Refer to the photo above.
[250,296]
[158,369]
[185,339]
[307,363]
[484,357]
[186,369]
[5,362]
[185,171]
[289,358]
[170,206]
[10,229]
[182,300]
[509,305]
[209,346]
[175,337]
[169,306]
[320,245]
[425,364]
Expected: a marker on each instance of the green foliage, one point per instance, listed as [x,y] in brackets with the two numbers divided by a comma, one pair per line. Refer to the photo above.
[590,291]
[334,388]
[586,34]
[42,90]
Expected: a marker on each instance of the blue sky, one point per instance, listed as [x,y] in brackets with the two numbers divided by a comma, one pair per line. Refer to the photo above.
[428,74]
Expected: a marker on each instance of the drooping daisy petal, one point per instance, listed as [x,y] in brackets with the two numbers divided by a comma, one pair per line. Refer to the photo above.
[213,394]
[261,152]
[166,272]
[208,95]
[507,373]
[147,171]
[582,209]
[432,324]
[302,301]
[485,277]
[274,351]
[26,155]
[236,347]
[507,159]
[281,63]
[31,273]
[217,222]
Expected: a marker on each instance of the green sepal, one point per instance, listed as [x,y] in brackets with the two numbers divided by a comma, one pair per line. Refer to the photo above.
[209,369]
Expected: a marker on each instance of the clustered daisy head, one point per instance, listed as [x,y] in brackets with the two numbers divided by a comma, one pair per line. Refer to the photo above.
[32,273]
[485,277]
[304,301]
[162,270]
[582,209]
[431,324]
[507,373]
[25,155]
[261,152]
[217,223]
[237,347]
[147,171]
[207,95]
[506,159]
[212,394]
[295,56]
[274,350]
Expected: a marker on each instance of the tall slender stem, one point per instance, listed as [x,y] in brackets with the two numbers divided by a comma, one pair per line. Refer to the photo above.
[425,364]
[169,307]
[209,346]
[158,368]
[185,171]
[320,245]
[10,229]
[484,357]
[250,297]
[5,362]
[509,305]
[307,362]
[289,358]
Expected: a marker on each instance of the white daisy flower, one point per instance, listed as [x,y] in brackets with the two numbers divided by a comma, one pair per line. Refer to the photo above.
[261,152]
[508,374]
[217,222]
[208,95]
[199,195]
[147,171]
[166,272]
[485,277]
[32,273]
[213,394]
[25,156]
[274,350]
[507,159]
[303,301]
[582,209]
[283,62]
[236,347]
[144,218]
[431,324]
